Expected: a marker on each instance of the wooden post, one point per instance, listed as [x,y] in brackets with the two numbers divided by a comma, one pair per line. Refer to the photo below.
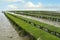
[37,26]
[58,20]
[58,34]
[34,24]
[23,33]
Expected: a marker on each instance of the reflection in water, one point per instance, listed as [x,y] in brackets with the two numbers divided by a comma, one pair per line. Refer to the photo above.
[7,32]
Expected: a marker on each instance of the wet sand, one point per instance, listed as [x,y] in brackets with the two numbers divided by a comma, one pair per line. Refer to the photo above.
[7,32]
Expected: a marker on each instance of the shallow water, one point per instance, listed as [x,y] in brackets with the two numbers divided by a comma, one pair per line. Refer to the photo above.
[56,24]
[7,32]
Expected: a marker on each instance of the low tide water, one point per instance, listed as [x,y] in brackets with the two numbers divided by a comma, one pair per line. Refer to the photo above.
[7,32]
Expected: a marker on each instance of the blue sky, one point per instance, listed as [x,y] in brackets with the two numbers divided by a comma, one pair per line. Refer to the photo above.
[29,4]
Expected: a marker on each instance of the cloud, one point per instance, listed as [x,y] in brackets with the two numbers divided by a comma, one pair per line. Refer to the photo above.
[31,5]
[12,6]
[11,0]
[26,5]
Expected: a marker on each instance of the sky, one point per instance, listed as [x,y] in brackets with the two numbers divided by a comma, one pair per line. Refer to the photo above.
[29,4]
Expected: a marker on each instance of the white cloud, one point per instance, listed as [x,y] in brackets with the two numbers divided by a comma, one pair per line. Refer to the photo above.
[11,0]
[12,6]
[31,5]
